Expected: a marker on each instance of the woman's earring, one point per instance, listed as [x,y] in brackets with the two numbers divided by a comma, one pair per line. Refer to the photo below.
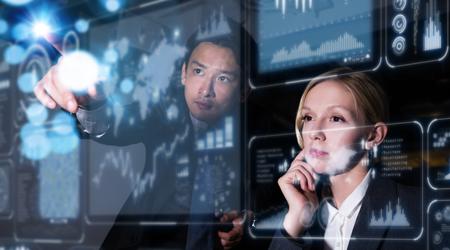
[372,154]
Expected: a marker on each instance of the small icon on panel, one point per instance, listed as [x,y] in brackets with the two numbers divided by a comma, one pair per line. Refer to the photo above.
[438,216]
[437,238]
[447,214]
[399,23]
[399,5]
[399,45]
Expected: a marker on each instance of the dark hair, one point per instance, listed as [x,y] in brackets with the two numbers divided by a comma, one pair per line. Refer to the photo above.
[232,40]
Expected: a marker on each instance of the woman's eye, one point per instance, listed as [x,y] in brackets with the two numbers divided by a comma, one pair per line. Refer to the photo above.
[307,118]
[337,119]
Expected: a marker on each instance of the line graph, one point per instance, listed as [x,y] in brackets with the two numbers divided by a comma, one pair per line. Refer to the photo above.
[344,42]
[312,32]
[390,217]
[432,38]
[123,162]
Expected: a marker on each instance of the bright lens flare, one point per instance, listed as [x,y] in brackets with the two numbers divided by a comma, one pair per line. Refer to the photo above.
[78,71]
[41,29]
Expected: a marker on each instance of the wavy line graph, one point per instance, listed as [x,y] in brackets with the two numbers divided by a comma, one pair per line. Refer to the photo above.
[121,161]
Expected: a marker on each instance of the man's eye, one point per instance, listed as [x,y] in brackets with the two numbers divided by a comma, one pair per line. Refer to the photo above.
[224,79]
[198,71]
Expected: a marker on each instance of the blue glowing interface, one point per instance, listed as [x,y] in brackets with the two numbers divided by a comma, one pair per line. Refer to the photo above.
[302,33]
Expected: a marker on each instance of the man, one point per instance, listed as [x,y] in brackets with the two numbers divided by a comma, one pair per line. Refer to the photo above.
[211,79]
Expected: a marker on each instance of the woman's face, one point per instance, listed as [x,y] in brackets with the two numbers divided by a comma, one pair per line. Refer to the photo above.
[333,132]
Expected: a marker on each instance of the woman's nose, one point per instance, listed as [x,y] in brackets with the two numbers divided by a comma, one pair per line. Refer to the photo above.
[316,131]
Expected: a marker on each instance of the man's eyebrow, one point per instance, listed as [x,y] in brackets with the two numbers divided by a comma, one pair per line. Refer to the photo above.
[198,63]
[229,72]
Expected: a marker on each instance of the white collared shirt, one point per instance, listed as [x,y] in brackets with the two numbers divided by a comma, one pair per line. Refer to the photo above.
[340,222]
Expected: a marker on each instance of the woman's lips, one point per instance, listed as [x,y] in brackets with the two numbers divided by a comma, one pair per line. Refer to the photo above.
[203,105]
[316,153]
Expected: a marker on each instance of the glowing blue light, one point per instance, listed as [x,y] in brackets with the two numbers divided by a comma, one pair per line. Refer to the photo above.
[176,33]
[155,95]
[111,56]
[126,86]
[112,5]
[63,144]
[14,54]
[36,147]
[172,112]
[21,32]
[41,29]
[27,81]
[35,144]
[59,188]
[29,129]
[3,26]
[36,114]
[63,124]
[105,72]
[17,2]
[82,25]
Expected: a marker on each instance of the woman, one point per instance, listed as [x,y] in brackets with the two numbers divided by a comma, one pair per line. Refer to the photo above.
[340,120]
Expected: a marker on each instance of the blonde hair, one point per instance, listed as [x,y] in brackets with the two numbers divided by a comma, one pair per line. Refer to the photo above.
[370,99]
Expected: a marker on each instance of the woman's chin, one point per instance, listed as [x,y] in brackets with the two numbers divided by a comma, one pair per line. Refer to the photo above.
[319,166]
[320,169]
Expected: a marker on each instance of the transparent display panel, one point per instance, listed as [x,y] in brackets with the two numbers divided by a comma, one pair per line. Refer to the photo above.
[416,32]
[439,154]
[398,159]
[439,225]
[309,36]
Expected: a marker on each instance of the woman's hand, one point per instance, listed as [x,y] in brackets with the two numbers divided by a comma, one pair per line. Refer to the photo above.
[298,187]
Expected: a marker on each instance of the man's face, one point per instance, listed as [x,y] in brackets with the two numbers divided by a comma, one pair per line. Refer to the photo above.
[211,80]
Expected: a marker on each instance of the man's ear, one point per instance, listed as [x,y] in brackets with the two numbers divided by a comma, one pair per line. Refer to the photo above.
[183,74]
[377,135]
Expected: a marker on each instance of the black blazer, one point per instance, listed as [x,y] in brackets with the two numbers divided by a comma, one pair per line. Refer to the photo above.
[379,193]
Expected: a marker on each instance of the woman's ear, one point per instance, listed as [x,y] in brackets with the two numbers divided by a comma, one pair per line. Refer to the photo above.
[377,135]
[183,74]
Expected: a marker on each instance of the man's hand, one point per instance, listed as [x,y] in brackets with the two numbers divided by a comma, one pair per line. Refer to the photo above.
[233,237]
[51,92]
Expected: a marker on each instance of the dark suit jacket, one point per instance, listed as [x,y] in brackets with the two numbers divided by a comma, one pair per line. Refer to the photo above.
[380,193]
[168,200]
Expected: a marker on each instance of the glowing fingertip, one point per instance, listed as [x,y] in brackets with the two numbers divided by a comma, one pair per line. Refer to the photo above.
[78,71]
